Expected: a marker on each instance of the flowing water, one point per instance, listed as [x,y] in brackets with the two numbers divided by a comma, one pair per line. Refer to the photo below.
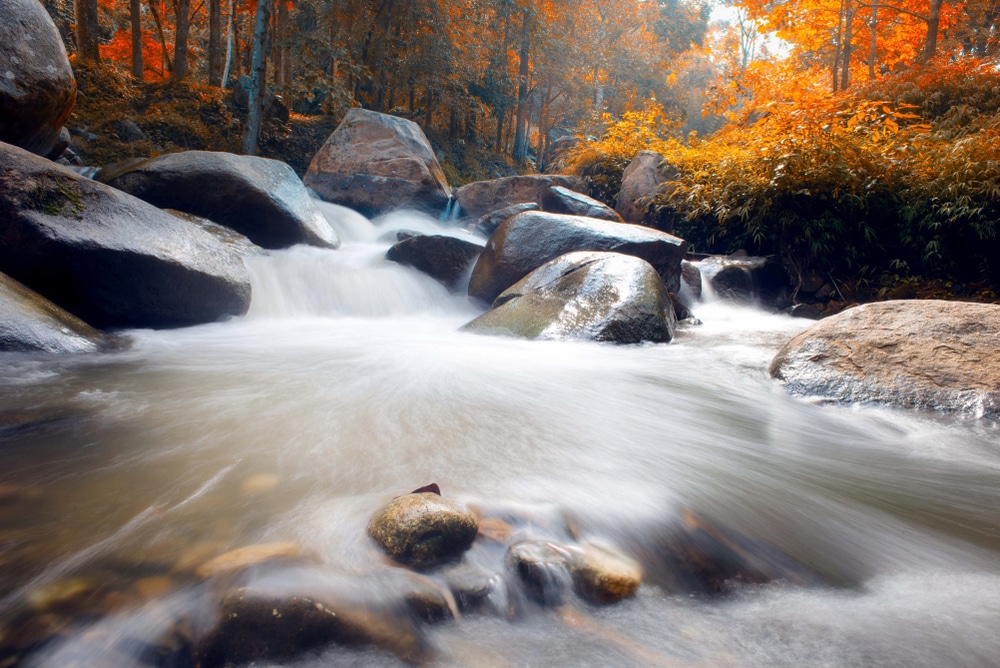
[349,383]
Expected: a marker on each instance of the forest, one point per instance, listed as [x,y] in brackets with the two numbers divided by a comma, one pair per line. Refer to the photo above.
[855,140]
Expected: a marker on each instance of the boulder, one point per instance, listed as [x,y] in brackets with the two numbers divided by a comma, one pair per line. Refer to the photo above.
[563,200]
[640,184]
[529,240]
[479,198]
[31,323]
[109,258]
[603,574]
[748,279]
[586,295]
[37,88]
[423,529]
[691,279]
[542,569]
[375,162]
[488,223]
[260,198]
[128,131]
[446,259]
[914,354]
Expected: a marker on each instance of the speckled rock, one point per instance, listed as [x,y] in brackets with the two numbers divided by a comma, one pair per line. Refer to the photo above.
[31,323]
[423,529]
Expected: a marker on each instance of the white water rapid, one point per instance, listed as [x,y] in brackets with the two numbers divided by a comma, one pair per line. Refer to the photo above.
[349,383]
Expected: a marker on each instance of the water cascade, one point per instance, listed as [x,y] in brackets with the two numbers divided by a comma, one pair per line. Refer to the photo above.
[349,383]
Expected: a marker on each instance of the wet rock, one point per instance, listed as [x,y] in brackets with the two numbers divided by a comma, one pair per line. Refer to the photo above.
[375,162]
[260,198]
[640,184]
[61,147]
[246,557]
[128,131]
[604,575]
[154,586]
[31,323]
[77,243]
[495,529]
[423,529]
[228,236]
[594,296]
[913,354]
[682,312]
[425,598]
[807,311]
[65,594]
[265,624]
[472,586]
[37,88]
[529,240]
[489,222]
[748,279]
[734,283]
[542,569]
[445,259]
[482,197]
[563,200]
[691,279]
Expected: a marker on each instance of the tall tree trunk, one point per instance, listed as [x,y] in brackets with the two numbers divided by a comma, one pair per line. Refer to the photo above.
[159,31]
[215,43]
[251,134]
[135,8]
[933,24]
[874,41]
[86,30]
[520,151]
[836,48]
[181,10]
[286,49]
[845,75]
[233,59]
[278,42]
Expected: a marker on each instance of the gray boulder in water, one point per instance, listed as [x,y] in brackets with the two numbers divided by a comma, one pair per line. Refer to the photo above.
[446,259]
[31,323]
[914,354]
[37,88]
[529,240]
[376,162]
[109,258]
[588,295]
[563,200]
[482,197]
[261,199]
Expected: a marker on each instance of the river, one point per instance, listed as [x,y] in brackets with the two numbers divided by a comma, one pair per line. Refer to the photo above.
[349,382]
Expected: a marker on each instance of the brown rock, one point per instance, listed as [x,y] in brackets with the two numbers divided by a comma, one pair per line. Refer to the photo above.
[563,200]
[915,354]
[542,568]
[375,162]
[446,259]
[423,529]
[245,557]
[482,197]
[640,184]
[604,575]
[37,88]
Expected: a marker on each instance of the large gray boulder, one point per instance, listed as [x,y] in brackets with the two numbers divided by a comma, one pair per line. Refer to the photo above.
[588,295]
[563,200]
[31,323]
[640,184]
[446,259]
[479,198]
[37,88]
[529,240]
[262,199]
[916,354]
[375,162]
[107,257]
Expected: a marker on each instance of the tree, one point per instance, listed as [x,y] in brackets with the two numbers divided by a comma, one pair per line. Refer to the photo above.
[86,30]
[215,63]
[181,12]
[135,10]
[251,133]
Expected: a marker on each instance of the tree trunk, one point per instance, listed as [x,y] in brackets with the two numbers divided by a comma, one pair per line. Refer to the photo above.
[836,48]
[286,49]
[845,76]
[279,50]
[520,151]
[159,32]
[86,30]
[874,41]
[251,134]
[215,43]
[180,40]
[233,59]
[933,23]
[135,7]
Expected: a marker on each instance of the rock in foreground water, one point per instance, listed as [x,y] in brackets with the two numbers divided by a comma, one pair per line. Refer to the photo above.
[375,162]
[107,257]
[37,88]
[594,296]
[529,240]
[446,259]
[604,575]
[563,200]
[31,323]
[260,198]
[913,354]
[423,529]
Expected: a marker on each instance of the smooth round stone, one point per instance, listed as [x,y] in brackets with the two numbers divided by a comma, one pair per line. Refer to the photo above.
[423,529]
[604,575]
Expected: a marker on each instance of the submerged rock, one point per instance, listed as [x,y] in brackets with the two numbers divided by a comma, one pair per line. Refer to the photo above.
[107,257]
[246,557]
[37,87]
[261,199]
[375,162]
[423,529]
[912,354]
[445,259]
[529,240]
[30,323]
[482,197]
[542,569]
[563,200]
[596,296]
[602,574]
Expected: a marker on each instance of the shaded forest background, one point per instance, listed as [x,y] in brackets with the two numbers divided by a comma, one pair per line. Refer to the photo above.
[855,140]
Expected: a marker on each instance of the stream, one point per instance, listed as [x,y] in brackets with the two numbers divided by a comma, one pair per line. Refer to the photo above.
[349,383]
